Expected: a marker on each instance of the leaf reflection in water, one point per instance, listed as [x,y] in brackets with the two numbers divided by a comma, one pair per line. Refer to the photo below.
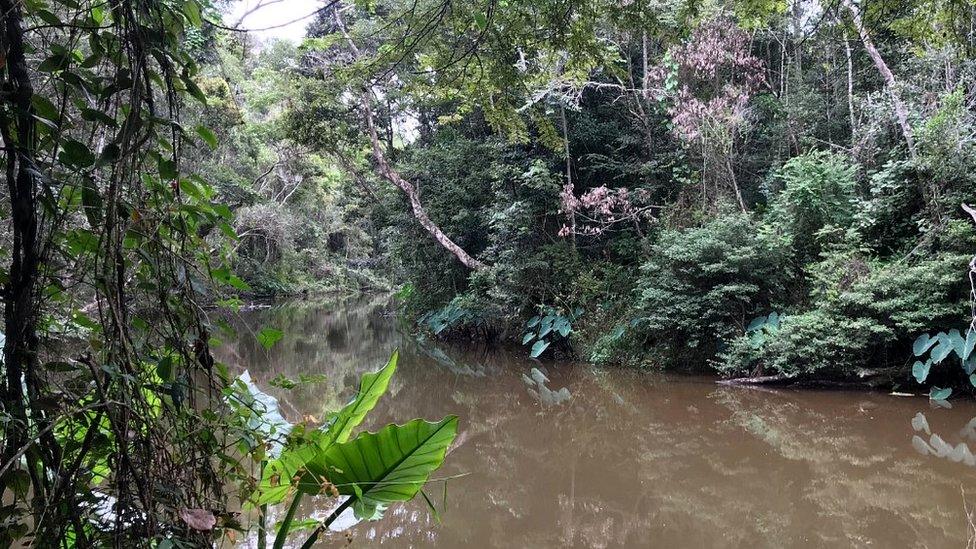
[536,381]
[938,447]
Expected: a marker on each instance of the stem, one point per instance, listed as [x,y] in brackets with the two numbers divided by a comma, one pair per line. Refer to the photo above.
[327,522]
[263,517]
[286,523]
[263,527]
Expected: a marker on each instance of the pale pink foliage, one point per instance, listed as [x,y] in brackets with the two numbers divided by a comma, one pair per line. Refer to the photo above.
[716,77]
[198,519]
[600,208]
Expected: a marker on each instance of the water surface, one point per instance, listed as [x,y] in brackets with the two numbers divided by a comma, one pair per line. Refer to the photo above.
[626,458]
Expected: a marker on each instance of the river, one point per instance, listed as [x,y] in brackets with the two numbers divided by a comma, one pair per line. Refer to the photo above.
[618,458]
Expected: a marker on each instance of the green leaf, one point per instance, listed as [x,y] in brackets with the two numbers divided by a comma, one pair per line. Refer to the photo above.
[371,387]
[76,154]
[481,20]
[45,109]
[91,202]
[957,342]
[192,11]
[529,336]
[970,343]
[533,322]
[110,154]
[208,136]
[194,90]
[93,115]
[562,326]
[942,349]
[972,379]
[167,169]
[756,323]
[921,370]
[969,365]
[267,337]
[923,343]
[380,468]
[98,14]
[937,393]
[164,368]
[57,62]
[546,325]
[539,348]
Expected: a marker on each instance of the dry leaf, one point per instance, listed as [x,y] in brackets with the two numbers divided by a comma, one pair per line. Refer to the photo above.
[198,519]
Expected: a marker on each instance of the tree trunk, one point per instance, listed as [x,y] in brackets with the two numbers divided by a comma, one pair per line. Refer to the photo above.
[569,177]
[20,295]
[850,85]
[390,174]
[901,112]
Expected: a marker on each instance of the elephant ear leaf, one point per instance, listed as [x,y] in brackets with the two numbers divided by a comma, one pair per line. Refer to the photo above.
[958,343]
[371,387]
[923,343]
[970,343]
[921,370]
[942,349]
[377,469]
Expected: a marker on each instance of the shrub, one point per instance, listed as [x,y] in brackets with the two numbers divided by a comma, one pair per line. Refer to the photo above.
[703,285]
[818,195]
[867,318]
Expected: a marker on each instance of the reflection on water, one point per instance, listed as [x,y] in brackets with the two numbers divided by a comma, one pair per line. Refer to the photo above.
[619,458]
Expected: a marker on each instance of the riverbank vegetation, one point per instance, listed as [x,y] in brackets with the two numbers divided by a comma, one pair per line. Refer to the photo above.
[767,189]
[671,177]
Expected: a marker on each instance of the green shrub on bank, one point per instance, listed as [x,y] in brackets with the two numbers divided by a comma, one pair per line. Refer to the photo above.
[866,318]
[704,284]
[817,198]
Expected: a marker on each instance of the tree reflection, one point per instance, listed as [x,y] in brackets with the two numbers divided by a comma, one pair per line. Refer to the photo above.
[630,459]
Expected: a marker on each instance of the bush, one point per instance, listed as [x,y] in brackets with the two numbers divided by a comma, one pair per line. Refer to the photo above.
[702,285]
[818,195]
[821,340]
[867,317]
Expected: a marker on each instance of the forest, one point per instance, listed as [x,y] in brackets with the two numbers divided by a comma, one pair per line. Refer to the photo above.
[763,193]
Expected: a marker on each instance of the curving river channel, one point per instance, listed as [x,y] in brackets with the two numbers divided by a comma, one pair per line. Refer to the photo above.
[617,458]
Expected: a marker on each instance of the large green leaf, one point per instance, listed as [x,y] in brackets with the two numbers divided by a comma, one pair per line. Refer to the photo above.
[268,336]
[970,343]
[921,370]
[371,388]
[380,468]
[942,349]
[958,343]
[923,343]
[562,326]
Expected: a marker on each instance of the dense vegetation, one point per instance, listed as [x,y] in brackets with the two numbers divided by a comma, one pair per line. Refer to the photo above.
[761,188]
[653,180]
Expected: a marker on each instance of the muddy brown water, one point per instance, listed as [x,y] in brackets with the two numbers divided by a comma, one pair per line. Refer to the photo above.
[627,459]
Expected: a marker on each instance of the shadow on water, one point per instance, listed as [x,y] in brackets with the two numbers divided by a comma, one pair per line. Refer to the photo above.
[568,455]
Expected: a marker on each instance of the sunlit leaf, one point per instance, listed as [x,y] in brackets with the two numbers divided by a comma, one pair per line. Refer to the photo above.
[208,136]
[267,337]
[372,386]
[384,467]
